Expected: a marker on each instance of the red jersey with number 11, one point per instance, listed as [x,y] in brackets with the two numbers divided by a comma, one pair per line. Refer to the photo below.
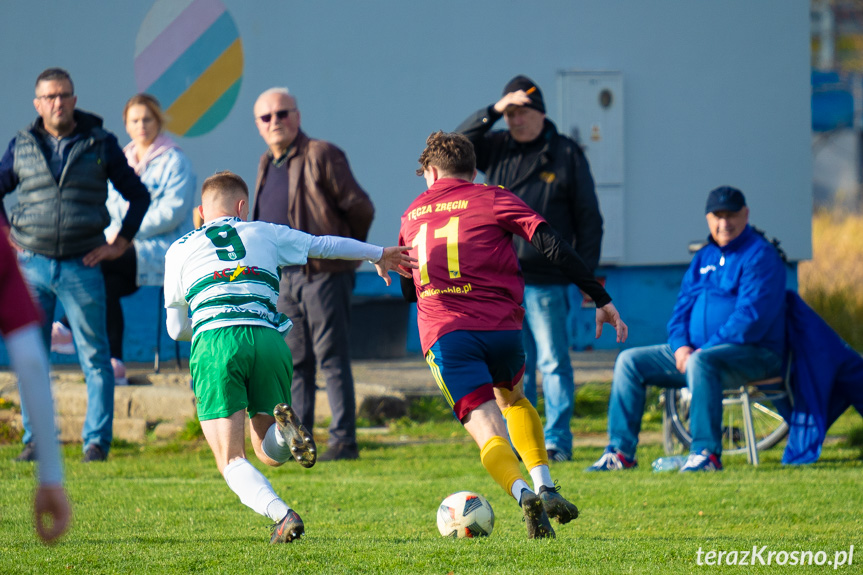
[468,276]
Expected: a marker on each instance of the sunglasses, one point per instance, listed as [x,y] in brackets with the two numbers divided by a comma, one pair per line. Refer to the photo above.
[280,115]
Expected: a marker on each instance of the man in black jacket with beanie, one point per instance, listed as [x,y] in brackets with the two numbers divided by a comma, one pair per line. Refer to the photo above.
[550,173]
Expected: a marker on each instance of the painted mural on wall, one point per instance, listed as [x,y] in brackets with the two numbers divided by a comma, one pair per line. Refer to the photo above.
[189,55]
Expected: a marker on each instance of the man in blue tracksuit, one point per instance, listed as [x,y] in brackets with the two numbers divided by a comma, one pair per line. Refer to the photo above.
[727,328]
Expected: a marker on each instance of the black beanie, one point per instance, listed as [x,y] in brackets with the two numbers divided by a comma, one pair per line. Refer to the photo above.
[526,84]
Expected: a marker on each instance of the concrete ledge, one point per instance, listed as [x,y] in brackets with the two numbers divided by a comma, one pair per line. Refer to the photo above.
[150,403]
[164,402]
[69,428]
[167,430]
[132,430]
[157,403]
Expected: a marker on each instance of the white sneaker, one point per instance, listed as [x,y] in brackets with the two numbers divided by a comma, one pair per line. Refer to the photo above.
[61,339]
[704,461]
[119,371]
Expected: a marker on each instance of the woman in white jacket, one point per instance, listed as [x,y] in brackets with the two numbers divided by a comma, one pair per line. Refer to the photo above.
[168,175]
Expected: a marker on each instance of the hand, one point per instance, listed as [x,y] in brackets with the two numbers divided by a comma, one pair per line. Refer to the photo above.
[50,501]
[395,259]
[110,251]
[681,356]
[608,314]
[517,98]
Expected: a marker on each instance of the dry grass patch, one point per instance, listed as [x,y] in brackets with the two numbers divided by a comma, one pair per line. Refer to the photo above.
[832,282]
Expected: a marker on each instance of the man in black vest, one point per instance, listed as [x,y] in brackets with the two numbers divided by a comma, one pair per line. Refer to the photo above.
[60,166]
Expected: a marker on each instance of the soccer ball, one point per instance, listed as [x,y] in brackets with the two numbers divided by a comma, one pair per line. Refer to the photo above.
[465,514]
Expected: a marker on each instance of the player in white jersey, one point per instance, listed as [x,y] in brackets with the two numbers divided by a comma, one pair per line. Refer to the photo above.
[227,273]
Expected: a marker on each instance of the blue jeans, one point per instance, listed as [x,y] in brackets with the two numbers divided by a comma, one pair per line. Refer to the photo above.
[81,291]
[708,372]
[546,345]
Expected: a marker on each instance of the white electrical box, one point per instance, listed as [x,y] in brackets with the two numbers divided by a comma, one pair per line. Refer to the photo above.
[591,113]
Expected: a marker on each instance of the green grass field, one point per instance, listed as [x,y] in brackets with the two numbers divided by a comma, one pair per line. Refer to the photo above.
[165,509]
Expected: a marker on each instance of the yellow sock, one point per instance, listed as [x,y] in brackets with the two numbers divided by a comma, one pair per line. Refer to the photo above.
[500,462]
[525,431]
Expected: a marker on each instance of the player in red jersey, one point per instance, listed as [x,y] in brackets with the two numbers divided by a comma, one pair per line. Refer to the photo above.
[20,325]
[468,290]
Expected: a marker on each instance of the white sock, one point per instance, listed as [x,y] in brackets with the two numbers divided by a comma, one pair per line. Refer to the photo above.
[254,490]
[277,509]
[275,446]
[541,476]
[517,488]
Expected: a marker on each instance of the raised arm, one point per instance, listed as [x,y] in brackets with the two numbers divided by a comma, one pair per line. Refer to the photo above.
[477,128]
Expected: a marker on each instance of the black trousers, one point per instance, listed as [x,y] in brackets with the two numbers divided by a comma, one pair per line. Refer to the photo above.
[320,306]
[120,281]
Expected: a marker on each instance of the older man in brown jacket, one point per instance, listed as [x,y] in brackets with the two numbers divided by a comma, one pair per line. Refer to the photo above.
[307,184]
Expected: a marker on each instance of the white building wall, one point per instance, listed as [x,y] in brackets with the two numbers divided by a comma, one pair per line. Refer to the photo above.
[716,93]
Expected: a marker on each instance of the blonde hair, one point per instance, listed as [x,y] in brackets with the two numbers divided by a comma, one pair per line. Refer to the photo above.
[148,101]
[225,187]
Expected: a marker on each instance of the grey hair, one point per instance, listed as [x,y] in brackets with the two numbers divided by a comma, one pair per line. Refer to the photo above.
[280,90]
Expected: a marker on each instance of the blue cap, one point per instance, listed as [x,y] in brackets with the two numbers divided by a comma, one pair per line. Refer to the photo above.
[725,199]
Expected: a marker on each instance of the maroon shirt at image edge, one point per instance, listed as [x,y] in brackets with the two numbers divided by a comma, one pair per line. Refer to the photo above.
[17,308]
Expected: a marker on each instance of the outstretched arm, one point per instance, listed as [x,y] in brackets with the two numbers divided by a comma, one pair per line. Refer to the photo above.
[385,259]
[558,252]
[552,246]
[395,259]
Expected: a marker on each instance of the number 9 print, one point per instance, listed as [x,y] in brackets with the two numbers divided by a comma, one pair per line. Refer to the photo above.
[226,237]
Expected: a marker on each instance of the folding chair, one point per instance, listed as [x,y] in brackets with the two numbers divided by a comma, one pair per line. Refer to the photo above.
[765,395]
[761,431]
